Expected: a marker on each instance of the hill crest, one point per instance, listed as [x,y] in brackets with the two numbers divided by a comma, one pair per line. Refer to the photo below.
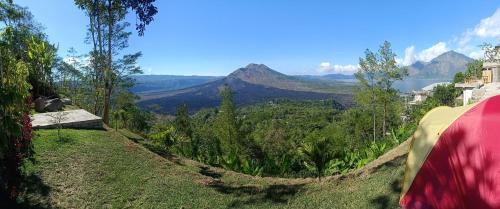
[444,66]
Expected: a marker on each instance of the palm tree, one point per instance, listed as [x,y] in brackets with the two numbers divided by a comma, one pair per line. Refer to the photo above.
[317,153]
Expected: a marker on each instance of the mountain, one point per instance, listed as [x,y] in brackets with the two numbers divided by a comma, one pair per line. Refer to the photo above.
[155,83]
[251,84]
[445,66]
[260,74]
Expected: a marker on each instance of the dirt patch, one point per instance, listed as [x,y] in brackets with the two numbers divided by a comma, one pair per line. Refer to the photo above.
[131,147]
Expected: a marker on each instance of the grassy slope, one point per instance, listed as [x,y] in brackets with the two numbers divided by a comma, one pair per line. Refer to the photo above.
[96,169]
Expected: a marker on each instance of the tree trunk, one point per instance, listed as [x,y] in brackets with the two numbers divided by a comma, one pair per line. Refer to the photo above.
[384,130]
[373,113]
[108,72]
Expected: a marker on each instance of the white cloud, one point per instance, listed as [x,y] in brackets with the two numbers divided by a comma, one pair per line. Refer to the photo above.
[149,71]
[71,60]
[478,54]
[77,61]
[432,52]
[326,67]
[410,56]
[426,55]
[488,29]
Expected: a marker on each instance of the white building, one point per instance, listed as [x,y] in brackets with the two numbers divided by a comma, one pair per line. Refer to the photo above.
[468,90]
[421,96]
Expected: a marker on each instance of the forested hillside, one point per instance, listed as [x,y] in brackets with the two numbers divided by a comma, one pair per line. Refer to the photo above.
[154,83]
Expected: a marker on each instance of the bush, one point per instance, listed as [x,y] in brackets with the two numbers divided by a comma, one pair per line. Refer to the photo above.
[15,124]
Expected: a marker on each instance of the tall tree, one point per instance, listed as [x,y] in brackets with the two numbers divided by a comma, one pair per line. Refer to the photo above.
[106,31]
[182,121]
[389,72]
[377,73]
[368,69]
[227,125]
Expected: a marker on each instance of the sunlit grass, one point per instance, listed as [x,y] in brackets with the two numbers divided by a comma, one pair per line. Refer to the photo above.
[103,169]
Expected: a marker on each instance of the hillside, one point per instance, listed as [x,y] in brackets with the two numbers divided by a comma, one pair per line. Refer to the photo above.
[96,169]
[445,66]
[250,85]
[155,83]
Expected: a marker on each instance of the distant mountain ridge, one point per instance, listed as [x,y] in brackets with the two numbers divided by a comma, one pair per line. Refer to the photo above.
[444,66]
[261,74]
[334,76]
[156,83]
[252,84]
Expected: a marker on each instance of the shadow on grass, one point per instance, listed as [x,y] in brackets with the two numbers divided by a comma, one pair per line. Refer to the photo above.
[205,170]
[387,200]
[163,152]
[253,195]
[34,195]
[132,137]
[65,140]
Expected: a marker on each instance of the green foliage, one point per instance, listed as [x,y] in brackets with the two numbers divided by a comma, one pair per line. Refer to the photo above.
[127,115]
[15,102]
[14,89]
[182,121]
[41,57]
[459,77]
[317,154]
[445,94]
[474,70]
[299,138]
[378,71]
[252,168]
[164,136]
[108,35]
[226,124]
[274,134]
[26,42]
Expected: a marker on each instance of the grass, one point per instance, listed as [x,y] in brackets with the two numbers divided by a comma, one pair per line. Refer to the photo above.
[103,169]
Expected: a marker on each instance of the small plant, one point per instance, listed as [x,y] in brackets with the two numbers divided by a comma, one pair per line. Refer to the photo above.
[119,115]
[164,137]
[252,168]
[317,154]
[57,119]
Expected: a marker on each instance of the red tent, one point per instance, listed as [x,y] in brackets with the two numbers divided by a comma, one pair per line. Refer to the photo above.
[454,159]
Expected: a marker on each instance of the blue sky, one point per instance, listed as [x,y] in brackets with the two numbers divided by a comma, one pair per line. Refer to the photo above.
[215,37]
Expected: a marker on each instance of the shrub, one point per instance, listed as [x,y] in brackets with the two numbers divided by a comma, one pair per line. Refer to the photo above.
[15,124]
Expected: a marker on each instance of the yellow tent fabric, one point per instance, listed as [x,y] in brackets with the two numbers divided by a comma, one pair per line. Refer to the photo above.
[425,137]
